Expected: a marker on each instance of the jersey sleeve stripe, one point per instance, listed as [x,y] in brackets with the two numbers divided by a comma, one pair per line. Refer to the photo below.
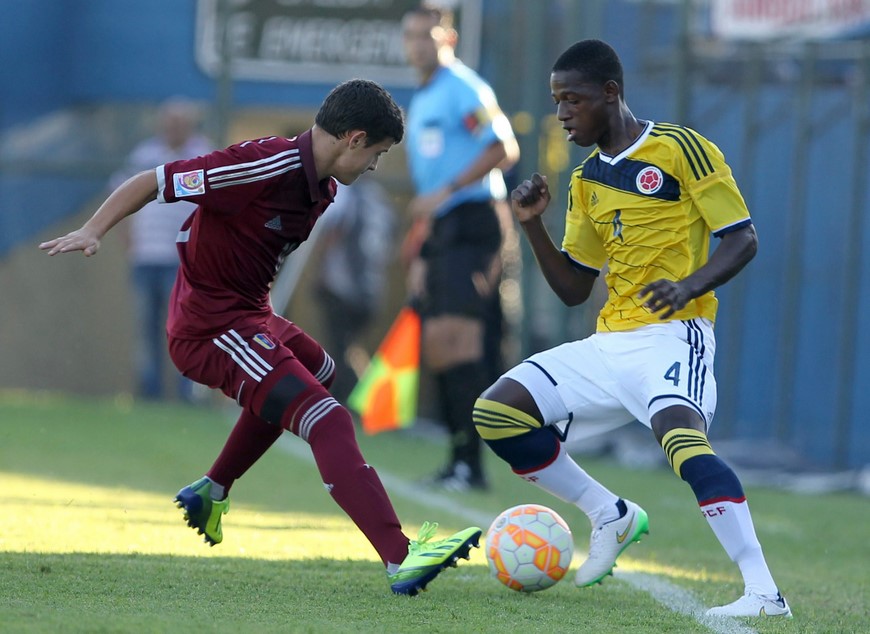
[683,147]
[696,145]
[260,177]
[250,164]
[694,136]
[682,137]
[734,226]
[250,172]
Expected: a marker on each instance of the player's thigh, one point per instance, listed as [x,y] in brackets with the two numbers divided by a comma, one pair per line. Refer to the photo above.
[305,348]
[571,382]
[239,361]
[668,365]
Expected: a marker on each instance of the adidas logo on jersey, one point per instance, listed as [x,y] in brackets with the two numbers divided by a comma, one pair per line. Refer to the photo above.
[274,223]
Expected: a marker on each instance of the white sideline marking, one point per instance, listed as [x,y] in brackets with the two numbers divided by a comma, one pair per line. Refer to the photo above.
[675,598]
[681,600]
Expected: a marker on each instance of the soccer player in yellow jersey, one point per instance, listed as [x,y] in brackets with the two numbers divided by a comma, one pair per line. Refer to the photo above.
[645,204]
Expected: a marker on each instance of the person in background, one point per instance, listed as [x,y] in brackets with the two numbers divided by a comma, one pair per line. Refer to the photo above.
[356,243]
[257,202]
[151,248]
[459,140]
[645,204]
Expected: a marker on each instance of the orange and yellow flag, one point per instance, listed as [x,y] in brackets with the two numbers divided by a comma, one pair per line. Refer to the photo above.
[386,395]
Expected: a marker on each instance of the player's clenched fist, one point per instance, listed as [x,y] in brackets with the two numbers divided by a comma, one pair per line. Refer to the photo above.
[530,198]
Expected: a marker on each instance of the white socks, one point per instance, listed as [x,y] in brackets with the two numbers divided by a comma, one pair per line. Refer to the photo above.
[565,479]
[218,491]
[732,525]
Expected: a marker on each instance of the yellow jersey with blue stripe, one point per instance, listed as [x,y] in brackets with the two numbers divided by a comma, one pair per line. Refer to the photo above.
[647,214]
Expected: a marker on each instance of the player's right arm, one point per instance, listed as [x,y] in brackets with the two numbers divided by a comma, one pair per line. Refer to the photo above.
[127,199]
[528,201]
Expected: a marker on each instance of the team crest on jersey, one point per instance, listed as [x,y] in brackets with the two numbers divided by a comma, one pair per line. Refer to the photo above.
[649,180]
[189,183]
[264,341]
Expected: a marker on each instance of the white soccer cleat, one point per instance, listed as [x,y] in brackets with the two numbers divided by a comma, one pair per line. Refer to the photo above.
[751,604]
[607,543]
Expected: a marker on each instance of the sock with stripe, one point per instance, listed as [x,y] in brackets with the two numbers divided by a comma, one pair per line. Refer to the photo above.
[353,484]
[723,504]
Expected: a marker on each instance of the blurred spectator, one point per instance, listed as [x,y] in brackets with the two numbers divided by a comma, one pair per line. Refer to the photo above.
[356,244]
[151,237]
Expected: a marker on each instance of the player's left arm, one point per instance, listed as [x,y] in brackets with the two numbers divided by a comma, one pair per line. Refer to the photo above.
[127,199]
[734,252]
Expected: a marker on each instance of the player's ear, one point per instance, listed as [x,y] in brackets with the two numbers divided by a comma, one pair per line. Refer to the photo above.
[357,139]
[611,90]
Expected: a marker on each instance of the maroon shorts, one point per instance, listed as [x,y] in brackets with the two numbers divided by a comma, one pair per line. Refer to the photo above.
[249,361]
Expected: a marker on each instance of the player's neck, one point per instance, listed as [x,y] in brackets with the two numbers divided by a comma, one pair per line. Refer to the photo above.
[325,149]
[624,130]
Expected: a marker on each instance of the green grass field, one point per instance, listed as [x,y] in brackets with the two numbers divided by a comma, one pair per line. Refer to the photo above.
[90,540]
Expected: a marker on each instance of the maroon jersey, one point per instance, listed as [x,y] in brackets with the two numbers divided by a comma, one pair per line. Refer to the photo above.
[258,201]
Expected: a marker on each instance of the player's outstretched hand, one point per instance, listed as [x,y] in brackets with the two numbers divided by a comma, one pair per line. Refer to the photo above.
[530,198]
[665,295]
[79,240]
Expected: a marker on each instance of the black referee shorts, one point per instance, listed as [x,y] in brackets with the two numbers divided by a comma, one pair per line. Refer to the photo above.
[462,242]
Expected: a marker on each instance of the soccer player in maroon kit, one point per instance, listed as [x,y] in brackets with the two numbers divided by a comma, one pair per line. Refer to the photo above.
[258,200]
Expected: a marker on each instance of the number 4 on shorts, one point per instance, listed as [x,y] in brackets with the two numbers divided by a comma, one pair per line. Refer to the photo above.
[673,374]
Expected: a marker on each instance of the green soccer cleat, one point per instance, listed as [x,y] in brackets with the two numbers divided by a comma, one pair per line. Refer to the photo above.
[427,559]
[201,512]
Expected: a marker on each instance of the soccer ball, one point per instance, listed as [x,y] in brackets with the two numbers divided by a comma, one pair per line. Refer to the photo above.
[529,547]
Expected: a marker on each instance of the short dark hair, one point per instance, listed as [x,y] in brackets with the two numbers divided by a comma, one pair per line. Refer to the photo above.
[594,59]
[360,104]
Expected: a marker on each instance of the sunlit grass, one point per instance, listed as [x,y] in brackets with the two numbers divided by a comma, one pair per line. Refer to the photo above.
[47,516]
[52,516]
[90,539]
[669,572]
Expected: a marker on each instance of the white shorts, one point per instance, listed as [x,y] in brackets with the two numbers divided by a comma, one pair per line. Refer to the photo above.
[616,377]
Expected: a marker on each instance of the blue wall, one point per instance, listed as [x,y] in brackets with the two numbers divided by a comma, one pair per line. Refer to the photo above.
[116,50]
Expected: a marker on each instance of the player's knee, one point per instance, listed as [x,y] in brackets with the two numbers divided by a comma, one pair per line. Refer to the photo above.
[514,436]
[310,416]
[496,421]
[692,458]
[299,406]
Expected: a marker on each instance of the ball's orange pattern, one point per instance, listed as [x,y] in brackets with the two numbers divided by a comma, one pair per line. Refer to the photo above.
[529,547]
